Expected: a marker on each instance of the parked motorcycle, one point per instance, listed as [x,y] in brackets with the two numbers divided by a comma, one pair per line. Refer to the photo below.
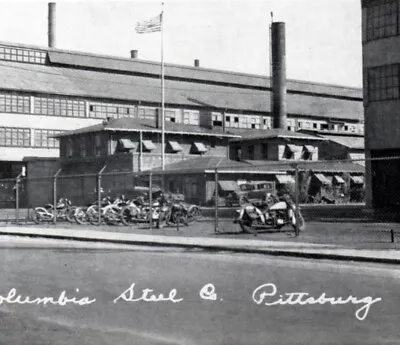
[138,211]
[64,211]
[253,219]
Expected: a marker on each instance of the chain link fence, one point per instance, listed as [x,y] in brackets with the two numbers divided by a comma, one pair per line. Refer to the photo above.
[219,190]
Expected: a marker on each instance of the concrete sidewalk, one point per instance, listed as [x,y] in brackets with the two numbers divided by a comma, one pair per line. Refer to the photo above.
[278,248]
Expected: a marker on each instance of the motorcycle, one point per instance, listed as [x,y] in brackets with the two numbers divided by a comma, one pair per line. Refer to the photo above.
[64,211]
[253,218]
[182,212]
[138,211]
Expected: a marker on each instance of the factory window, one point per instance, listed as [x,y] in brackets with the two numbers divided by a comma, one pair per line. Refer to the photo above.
[170,115]
[20,137]
[191,117]
[45,138]
[382,20]
[59,107]
[106,110]
[227,119]
[216,119]
[22,55]
[147,113]
[11,103]
[266,122]
[236,119]
[315,125]
[324,126]
[383,83]
[346,128]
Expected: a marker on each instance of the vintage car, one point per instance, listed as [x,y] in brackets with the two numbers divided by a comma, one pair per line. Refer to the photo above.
[254,192]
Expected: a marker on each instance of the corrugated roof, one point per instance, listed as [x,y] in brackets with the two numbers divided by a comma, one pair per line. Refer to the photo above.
[353,142]
[124,87]
[62,57]
[316,166]
[207,164]
[274,133]
[128,124]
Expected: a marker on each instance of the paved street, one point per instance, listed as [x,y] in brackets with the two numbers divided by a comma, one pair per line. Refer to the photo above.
[44,268]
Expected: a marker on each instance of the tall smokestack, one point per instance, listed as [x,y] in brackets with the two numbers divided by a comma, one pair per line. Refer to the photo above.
[278,75]
[52,25]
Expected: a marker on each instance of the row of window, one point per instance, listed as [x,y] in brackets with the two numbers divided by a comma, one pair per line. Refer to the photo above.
[382,20]
[44,138]
[22,55]
[59,107]
[21,137]
[384,83]
[12,103]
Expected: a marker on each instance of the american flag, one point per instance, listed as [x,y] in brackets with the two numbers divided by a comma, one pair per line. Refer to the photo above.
[151,25]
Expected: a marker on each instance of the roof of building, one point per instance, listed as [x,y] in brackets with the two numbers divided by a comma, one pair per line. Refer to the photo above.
[128,124]
[275,133]
[208,164]
[352,142]
[89,75]
[117,63]
[316,166]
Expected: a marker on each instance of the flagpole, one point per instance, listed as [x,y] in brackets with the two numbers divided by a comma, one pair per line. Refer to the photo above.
[162,91]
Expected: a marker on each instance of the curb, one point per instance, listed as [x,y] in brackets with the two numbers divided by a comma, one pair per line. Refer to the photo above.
[216,248]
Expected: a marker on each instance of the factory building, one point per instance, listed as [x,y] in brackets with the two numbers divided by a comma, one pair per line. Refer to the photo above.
[381,82]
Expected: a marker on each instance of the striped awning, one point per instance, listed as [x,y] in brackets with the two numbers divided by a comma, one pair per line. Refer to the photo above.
[148,145]
[357,179]
[284,179]
[309,148]
[199,147]
[175,146]
[126,144]
[228,186]
[338,179]
[323,179]
[293,148]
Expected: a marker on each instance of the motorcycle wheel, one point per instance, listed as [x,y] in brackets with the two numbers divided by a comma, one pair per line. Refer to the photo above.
[80,216]
[35,216]
[126,217]
[111,217]
[247,226]
[92,214]
[70,214]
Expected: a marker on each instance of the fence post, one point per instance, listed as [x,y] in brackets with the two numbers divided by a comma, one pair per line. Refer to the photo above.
[151,199]
[216,202]
[297,190]
[55,196]
[99,191]
[17,181]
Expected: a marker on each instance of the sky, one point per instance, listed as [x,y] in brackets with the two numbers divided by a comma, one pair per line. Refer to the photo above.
[323,37]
